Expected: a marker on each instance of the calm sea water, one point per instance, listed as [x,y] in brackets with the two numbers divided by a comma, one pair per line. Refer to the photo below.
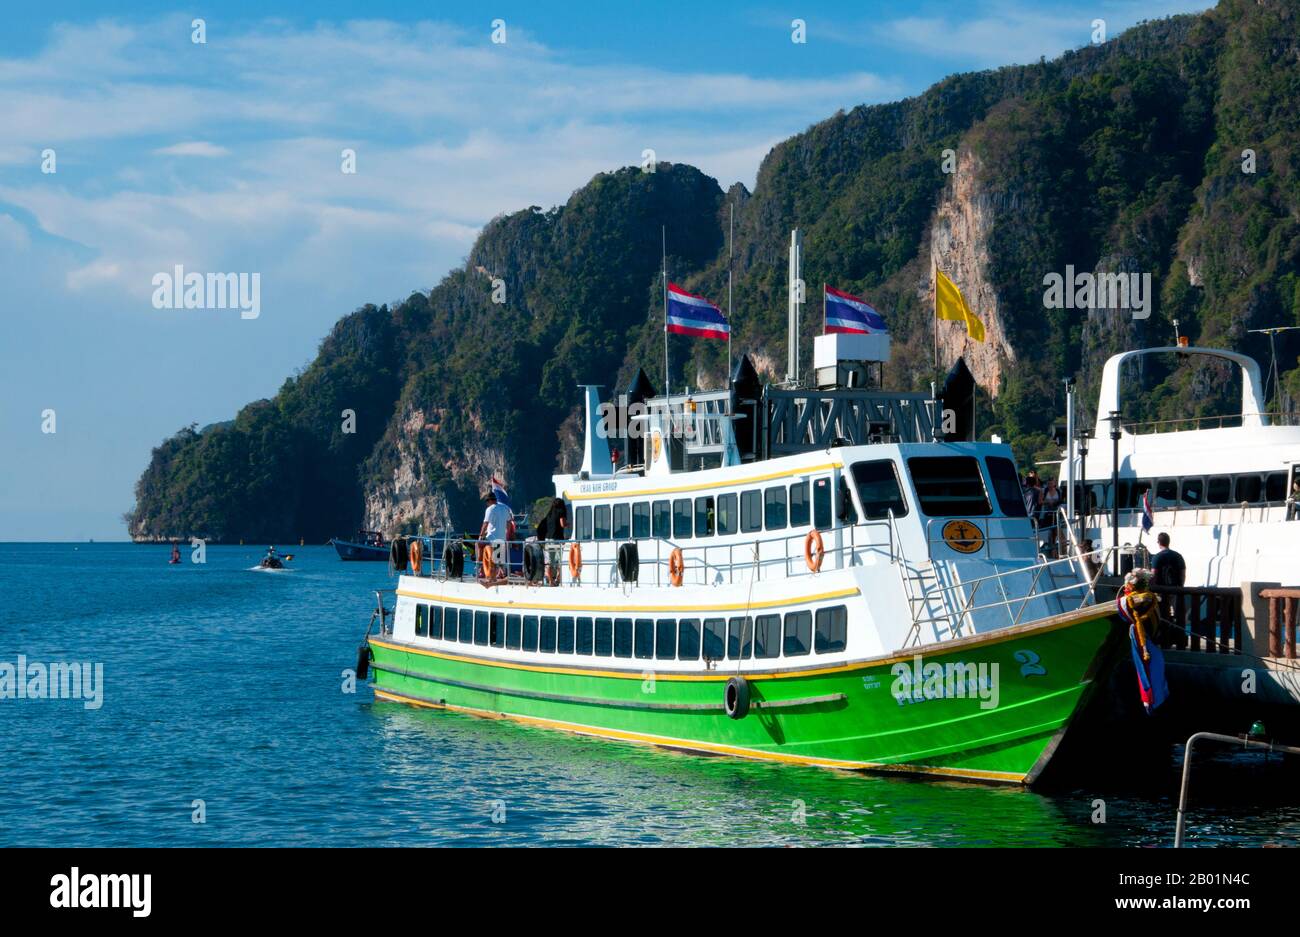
[224,685]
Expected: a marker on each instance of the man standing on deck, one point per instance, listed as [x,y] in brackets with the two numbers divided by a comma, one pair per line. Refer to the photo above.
[494,530]
[552,532]
[1169,569]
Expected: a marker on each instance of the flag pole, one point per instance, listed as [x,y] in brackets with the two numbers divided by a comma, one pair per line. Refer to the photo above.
[663,233]
[823,308]
[731,238]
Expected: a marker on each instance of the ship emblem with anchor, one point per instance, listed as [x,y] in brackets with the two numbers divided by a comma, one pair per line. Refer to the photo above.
[963,536]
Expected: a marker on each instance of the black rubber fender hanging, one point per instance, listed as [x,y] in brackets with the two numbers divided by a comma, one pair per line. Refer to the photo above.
[534,561]
[398,554]
[629,562]
[453,560]
[363,660]
[735,698]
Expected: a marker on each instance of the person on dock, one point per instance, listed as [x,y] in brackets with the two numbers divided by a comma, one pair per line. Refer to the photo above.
[552,532]
[494,531]
[1169,566]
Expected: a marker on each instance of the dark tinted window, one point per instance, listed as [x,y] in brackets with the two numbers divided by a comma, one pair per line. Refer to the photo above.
[798,634]
[1249,488]
[1275,486]
[622,521]
[800,508]
[546,642]
[622,637]
[1218,490]
[435,621]
[583,640]
[602,522]
[822,503]
[767,636]
[582,523]
[704,517]
[645,638]
[715,638]
[682,519]
[666,638]
[832,629]
[751,510]
[663,520]
[497,629]
[530,632]
[1193,491]
[847,513]
[421,620]
[564,640]
[641,520]
[728,514]
[480,627]
[1006,486]
[604,637]
[514,632]
[774,507]
[688,639]
[879,490]
[1166,493]
[740,637]
[948,484]
[466,626]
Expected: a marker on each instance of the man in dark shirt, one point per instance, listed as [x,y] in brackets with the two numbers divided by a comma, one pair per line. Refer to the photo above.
[553,529]
[1168,565]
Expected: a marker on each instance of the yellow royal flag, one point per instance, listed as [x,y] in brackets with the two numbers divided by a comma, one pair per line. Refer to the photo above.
[949,304]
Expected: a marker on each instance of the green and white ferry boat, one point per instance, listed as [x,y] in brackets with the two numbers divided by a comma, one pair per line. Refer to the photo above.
[809,576]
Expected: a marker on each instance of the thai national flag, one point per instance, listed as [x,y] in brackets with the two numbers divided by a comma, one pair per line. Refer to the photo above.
[848,313]
[689,314]
[499,491]
[1148,519]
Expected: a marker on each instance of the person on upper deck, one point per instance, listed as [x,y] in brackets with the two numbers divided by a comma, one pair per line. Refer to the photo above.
[494,531]
[554,529]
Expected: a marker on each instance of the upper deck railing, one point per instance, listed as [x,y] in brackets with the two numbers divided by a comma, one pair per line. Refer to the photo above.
[1223,421]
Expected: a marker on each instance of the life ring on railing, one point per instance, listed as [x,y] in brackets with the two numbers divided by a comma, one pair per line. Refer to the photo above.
[417,551]
[575,561]
[676,566]
[813,550]
[487,565]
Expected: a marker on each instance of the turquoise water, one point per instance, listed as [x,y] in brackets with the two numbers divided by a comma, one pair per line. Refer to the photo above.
[224,685]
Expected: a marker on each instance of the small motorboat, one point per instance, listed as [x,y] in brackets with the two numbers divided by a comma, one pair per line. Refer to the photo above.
[274,560]
[367,545]
[176,555]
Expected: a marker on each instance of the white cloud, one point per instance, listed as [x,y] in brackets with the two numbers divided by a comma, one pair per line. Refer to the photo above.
[195,148]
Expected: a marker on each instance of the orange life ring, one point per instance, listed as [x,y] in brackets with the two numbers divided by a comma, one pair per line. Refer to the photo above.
[676,566]
[416,556]
[813,550]
[575,561]
[486,562]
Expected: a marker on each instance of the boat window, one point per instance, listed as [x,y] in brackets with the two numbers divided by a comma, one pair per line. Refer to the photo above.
[602,522]
[767,636]
[622,521]
[1275,486]
[582,523]
[1167,493]
[715,638]
[800,509]
[704,516]
[1249,488]
[1218,490]
[466,626]
[583,643]
[832,629]
[514,632]
[1141,487]
[822,503]
[1006,486]
[682,519]
[497,629]
[604,637]
[688,639]
[663,520]
[1193,491]
[740,633]
[948,485]
[421,620]
[847,513]
[751,510]
[645,638]
[480,627]
[666,638]
[641,520]
[530,632]
[1125,493]
[798,634]
[546,642]
[774,507]
[564,639]
[1099,496]
[879,490]
[728,518]
[435,621]
[622,637]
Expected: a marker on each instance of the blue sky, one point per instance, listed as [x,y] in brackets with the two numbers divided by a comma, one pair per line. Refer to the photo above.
[225,157]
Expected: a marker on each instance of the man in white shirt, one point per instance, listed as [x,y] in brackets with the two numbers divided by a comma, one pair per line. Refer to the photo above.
[494,531]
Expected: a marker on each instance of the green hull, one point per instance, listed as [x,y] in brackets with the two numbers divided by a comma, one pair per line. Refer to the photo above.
[991,723]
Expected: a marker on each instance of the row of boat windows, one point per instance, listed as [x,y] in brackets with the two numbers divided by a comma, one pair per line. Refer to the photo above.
[945,486]
[794,634]
[1252,488]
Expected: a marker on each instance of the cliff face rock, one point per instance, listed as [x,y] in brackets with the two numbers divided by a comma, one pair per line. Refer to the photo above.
[959,246]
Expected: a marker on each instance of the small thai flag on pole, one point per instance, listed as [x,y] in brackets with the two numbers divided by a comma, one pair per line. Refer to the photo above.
[1148,518]
[500,493]
[689,314]
[848,313]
